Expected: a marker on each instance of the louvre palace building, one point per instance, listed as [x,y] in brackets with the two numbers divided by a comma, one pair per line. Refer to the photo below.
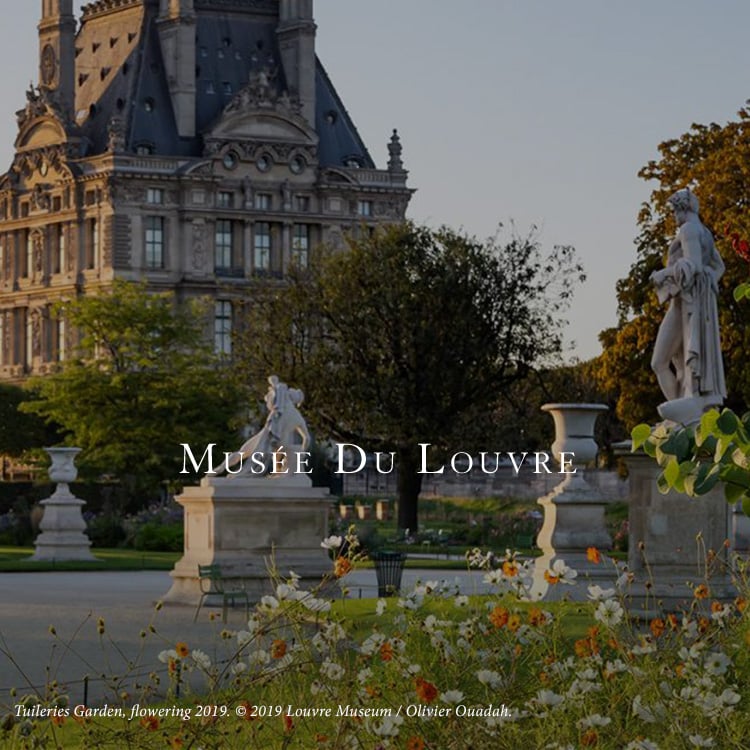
[195,145]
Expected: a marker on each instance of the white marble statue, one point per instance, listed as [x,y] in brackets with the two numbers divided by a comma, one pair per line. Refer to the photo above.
[285,432]
[687,353]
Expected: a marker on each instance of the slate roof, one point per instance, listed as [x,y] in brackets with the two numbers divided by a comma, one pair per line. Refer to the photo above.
[120,71]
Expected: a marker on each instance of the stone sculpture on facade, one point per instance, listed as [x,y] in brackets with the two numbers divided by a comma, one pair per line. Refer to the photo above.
[687,353]
[284,433]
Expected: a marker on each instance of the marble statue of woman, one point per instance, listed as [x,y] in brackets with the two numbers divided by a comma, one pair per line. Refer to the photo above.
[687,353]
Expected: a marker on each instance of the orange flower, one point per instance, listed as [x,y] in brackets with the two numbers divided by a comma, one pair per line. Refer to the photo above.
[150,722]
[321,737]
[536,617]
[741,603]
[172,666]
[426,691]
[58,720]
[703,624]
[176,742]
[679,670]
[250,710]
[701,592]
[551,578]
[657,626]
[544,678]
[510,568]
[278,648]
[582,648]
[589,738]
[674,623]
[373,692]
[593,555]
[341,567]
[415,743]
[182,649]
[514,622]
[717,607]
[288,723]
[386,651]
[499,616]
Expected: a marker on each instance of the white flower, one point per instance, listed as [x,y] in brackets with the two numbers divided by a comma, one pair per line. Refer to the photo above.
[643,649]
[461,601]
[563,572]
[332,542]
[595,720]
[269,602]
[202,659]
[642,745]
[316,605]
[165,656]
[389,726]
[644,712]
[334,632]
[285,591]
[244,637]
[413,669]
[259,657]
[332,670]
[452,696]
[730,698]
[380,607]
[548,698]
[372,643]
[597,593]
[609,613]
[697,741]
[717,663]
[238,667]
[363,675]
[489,677]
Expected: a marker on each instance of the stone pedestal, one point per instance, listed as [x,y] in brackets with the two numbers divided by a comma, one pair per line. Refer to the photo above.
[574,510]
[63,529]
[670,537]
[247,524]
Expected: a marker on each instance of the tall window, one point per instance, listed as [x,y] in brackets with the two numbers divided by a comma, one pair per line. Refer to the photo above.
[223,327]
[29,265]
[155,196]
[262,246]
[92,242]
[364,208]
[60,259]
[301,245]
[60,338]
[225,199]
[223,245]
[2,257]
[154,242]
[262,202]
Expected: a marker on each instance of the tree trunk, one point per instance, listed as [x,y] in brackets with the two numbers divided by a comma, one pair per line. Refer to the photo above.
[409,487]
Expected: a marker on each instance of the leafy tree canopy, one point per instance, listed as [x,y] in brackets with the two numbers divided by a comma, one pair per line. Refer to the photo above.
[714,161]
[20,432]
[411,336]
[144,380]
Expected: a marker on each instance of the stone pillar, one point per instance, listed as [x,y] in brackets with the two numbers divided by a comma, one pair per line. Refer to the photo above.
[670,538]
[63,528]
[245,525]
[574,510]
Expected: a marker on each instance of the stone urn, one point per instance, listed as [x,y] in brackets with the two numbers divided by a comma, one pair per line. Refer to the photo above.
[63,529]
[573,511]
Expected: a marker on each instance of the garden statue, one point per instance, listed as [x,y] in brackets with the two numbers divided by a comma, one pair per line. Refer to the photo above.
[687,353]
[285,432]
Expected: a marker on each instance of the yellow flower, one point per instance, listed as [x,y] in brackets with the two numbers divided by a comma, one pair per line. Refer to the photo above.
[514,622]
[341,567]
[182,649]
[657,626]
[499,616]
[278,648]
[593,555]
[702,591]
[551,578]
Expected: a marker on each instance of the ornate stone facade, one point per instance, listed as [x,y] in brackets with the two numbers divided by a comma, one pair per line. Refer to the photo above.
[196,145]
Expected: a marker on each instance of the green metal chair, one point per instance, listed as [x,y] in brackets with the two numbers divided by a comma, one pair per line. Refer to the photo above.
[213,583]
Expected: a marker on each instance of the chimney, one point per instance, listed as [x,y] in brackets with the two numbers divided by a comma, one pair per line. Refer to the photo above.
[296,35]
[57,55]
[176,25]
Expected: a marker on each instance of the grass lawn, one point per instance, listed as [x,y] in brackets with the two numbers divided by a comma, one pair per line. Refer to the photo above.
[16,560]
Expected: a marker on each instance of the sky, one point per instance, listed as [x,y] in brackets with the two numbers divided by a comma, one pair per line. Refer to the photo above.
[535,113]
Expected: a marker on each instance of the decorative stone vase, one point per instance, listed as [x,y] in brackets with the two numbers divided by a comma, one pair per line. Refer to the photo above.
[63,529]
[573,511]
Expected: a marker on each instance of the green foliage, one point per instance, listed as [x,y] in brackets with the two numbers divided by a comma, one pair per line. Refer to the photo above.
[411,336]
[143,380]
[19,431]
[695,459]
[715,161]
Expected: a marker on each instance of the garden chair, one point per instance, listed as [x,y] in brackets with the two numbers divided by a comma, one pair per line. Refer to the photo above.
[213,583]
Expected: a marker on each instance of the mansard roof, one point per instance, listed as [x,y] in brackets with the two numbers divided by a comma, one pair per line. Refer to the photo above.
[120,73]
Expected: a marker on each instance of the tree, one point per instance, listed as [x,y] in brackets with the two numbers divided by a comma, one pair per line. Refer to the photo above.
[714,161]
[411,336]
[20,432]
[143,381]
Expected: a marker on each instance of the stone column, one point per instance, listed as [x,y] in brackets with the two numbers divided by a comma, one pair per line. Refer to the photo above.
[670,539]
[63,534]
[574,510]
